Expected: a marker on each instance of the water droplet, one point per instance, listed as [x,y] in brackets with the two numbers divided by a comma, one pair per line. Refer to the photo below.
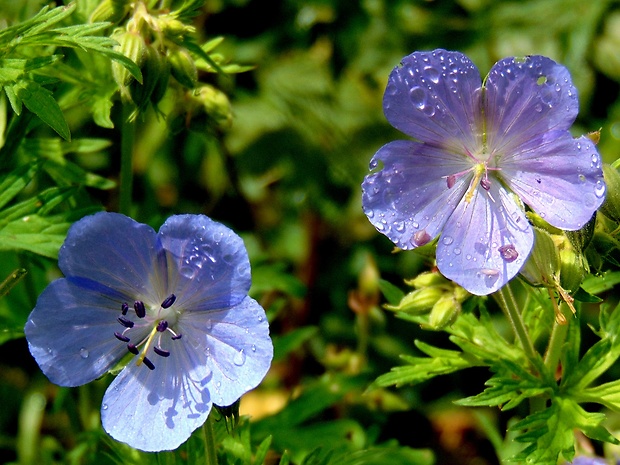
[468,256]
[582,178]
[83,353]
[239,358]
[596,161]
[253,348]
[599,190]
[447,240]
[418,97]
[432,74]
[457,251]
[538,108]
[415,224]
[104,407]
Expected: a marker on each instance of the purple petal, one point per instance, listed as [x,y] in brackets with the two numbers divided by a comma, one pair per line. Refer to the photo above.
[70,333]
[209,265]
[526,98]
[237,344]
[154,410]
[409,197]
[435,98]
[558,177]
[485,242]
[113,250]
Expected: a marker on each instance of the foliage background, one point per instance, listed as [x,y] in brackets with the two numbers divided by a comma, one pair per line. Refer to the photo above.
[286,175]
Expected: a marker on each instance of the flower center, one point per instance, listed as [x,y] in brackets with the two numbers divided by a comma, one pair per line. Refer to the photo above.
[160,319]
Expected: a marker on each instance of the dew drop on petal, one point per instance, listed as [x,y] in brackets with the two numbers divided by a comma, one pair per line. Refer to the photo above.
[457,251]
[104,407]
[239,358]
[432,74]
[447,240]
[253,348]
[599,189]
[83,353]
[582,179]
[418,97]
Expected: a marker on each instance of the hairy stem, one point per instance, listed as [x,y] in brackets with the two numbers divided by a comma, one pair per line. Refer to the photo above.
[509,305]
[209,438]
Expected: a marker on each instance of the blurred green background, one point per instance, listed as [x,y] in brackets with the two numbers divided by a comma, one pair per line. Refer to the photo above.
[285,173]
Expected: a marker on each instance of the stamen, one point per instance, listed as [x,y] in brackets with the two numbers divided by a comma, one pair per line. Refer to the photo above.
[161,352]
[169,301]
[148,363]
[479,170]
[138,306]
[451,180]
[149,341]
[486,184]
[176,337]
[121,337]
[125,322]
[133,349]
[162,326]
[124,308]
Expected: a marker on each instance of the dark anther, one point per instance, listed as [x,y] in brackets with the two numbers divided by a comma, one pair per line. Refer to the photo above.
[486,184]
[120,337]
[138,306]
[161,352]
[169,301]
[148,363]
[124,308]
[162,326]
[133,349]
[125,322]
[176,337]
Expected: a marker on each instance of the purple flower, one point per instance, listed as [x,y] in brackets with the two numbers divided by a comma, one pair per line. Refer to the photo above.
[476,146]
[175,300]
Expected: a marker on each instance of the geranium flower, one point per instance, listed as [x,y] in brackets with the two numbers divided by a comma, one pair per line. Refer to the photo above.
[174,301]
[479,148]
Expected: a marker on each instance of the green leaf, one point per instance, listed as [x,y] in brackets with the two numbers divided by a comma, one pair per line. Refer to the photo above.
[597,284]
[420,369]
[262,450]
[40,101]
[15,181]
[391,293]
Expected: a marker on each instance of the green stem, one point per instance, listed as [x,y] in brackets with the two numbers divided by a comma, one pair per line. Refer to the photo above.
[556,341]
[509,305]
[128,133]
[209,438]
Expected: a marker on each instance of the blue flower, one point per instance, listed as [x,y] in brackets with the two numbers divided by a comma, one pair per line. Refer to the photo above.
[479,150]
[176,301]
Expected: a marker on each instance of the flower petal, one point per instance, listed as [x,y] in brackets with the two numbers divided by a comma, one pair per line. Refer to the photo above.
[114,250]
[409,198]
[435,98]
[559,177]
[526,98]
[485,242]
[208,262]
[154,410]
[238,347]
[70,333]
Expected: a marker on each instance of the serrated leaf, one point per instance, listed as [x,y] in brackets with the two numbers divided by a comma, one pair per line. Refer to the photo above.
[40,101]
[420,369]
[607,394]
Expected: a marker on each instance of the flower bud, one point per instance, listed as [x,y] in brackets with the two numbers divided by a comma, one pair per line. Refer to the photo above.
[581,238]
[211,108]
[154,70]
[573,268]
[183,67]
[543,264]
[109,10]
[611,206]
[444,312]
[418,301]
[427,279]
[133,46]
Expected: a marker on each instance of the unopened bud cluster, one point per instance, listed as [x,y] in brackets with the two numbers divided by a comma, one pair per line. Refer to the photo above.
[434,295]
[159,43]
